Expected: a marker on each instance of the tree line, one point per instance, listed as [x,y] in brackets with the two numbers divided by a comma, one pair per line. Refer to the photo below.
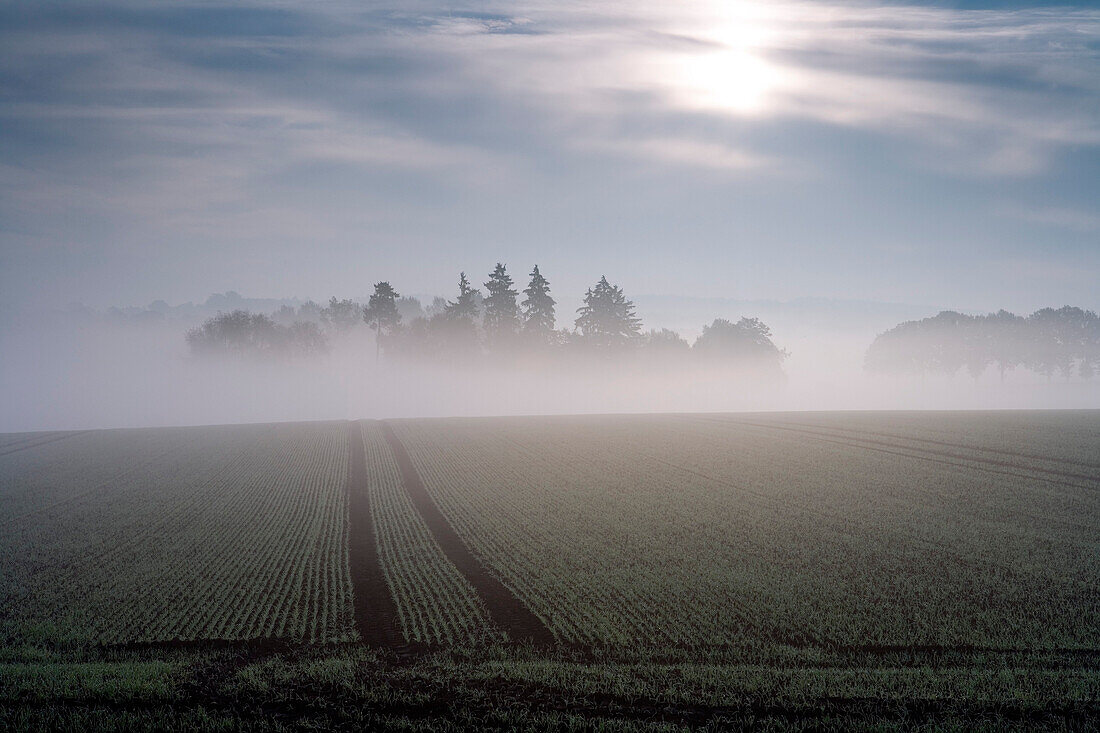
[244,334]
[495,323]
[1063,341]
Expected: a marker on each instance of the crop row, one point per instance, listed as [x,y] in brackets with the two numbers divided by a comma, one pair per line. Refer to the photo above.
[680,531]
[199,533]
[434,602]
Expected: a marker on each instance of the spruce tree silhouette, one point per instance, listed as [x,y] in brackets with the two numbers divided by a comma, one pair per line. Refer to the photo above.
[538,308]
[607,320]
[501,319]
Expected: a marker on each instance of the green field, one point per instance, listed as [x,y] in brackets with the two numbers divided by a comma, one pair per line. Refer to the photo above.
[182,533]
[778,570]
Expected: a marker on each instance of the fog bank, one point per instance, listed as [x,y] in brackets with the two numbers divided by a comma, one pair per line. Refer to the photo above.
[64,373]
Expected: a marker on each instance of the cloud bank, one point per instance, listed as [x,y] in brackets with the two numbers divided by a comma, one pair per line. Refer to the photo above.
[278,147]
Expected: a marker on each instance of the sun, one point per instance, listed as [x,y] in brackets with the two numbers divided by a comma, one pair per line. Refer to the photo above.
[729,70]
[733,80]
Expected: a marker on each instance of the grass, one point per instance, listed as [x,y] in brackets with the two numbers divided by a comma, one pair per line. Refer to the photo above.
[505,688]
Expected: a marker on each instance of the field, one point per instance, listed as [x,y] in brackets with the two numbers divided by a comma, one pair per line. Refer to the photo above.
[176,534]
[777,570]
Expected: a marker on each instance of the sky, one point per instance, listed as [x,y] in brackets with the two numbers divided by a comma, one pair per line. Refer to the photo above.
[944,153]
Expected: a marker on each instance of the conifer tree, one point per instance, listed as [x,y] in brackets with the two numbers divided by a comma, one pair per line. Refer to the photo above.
[466,304]
[381,312]
[538,306]
[501,317]
[457,327]
[607,318]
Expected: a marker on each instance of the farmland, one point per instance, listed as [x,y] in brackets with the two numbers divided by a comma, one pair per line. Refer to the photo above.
[176,534]
[788,569]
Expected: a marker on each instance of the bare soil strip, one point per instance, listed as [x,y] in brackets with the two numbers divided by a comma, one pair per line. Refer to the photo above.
[53,439]
[375,610]
[505,609]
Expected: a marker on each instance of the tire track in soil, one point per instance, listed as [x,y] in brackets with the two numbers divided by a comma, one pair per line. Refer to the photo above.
[42,442]
[1077,464]
[375,609]
[505,609]
[1044,474]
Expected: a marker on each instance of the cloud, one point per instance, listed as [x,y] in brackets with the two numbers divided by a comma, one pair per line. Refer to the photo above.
[995,91]
[686,152]
[128,126]
[1062,218]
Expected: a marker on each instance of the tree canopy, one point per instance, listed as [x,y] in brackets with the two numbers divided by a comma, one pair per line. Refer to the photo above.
[538,307]
[607,318]
[446,331]
[381,312]
[748,340]
[1064,341]
[501,319]
[240,333]
[465,306]
[342,314]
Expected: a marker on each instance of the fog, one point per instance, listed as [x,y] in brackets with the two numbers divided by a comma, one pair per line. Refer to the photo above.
[701,154]
[75,371]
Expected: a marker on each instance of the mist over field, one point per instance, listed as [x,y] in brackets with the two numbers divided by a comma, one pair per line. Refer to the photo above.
[81,369]
[833,169]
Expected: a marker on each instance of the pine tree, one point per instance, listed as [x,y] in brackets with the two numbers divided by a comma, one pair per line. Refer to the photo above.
[381,312]
[538,306]
[501,317]
[457,328]
[607,318]
[466,305]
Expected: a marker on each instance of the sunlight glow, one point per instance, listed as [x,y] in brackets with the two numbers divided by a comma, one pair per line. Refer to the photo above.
[732,80]
[730,74]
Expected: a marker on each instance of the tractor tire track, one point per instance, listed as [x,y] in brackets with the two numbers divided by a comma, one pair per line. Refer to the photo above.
[506,610]
[1077,464]
[375,609]
[42,442]
[1062,478]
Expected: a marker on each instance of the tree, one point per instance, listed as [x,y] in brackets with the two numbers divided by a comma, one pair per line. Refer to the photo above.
[285,315]
[538,307]
[409,307]
[977,347]
[305,338]
[665,342]
[381,312]
[1048,341]
[501,318]
[665,348]
[466,305]
[1006,348]
[237,333]
[607,320]
[456,329]
[1060,339]
[748,341]
[942,343]
[310,311]
[342,314]
[243,334]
